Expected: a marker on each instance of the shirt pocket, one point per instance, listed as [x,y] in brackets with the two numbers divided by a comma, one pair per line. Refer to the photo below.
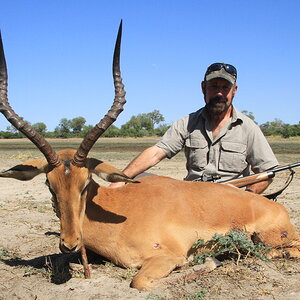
[196,153]
[232,157]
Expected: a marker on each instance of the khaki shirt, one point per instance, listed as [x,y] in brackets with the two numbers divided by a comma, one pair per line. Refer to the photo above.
[239,145]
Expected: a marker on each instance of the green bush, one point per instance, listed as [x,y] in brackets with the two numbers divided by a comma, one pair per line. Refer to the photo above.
[234,245]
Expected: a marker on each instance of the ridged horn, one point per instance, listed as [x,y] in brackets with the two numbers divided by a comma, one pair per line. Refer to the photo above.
[17,121]
[116,108]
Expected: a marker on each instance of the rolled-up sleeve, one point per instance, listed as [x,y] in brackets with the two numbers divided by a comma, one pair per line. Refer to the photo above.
[174,139]
[260,155]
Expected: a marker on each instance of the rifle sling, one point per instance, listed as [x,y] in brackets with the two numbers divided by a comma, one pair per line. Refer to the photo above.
[274,195]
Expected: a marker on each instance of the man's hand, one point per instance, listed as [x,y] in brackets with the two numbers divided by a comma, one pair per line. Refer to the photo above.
[116,184]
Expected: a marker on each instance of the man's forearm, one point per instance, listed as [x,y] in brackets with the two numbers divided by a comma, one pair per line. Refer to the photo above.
[259,187]
[147,159]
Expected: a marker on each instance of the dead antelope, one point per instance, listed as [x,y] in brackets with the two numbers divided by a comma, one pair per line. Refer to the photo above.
[153,224]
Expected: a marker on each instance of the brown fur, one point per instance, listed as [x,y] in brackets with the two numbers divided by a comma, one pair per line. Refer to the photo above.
[153,224]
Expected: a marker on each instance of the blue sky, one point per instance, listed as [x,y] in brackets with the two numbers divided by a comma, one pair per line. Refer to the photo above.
[59,55]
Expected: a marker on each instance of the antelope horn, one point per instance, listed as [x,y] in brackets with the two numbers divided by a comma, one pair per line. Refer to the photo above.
[17,121]
[117,107]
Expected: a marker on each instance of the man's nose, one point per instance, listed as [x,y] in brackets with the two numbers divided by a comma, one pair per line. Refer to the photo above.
[219,91]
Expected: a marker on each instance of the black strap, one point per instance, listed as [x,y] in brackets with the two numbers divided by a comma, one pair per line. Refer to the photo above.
[274,195]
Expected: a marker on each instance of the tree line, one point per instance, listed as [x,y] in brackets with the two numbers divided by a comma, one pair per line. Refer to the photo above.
[145,124]
[141,125]
[276,127]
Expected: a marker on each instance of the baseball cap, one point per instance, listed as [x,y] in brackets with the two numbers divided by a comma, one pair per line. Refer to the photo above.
[221,70]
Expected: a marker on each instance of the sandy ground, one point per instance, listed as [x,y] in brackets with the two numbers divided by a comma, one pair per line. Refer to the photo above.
[31,266]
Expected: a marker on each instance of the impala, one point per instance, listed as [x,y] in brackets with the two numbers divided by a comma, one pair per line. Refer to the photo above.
[151,224]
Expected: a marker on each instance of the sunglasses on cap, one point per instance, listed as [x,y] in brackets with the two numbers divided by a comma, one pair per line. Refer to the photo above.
[218,66]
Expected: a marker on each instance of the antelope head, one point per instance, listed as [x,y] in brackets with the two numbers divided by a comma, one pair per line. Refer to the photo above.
[69,171]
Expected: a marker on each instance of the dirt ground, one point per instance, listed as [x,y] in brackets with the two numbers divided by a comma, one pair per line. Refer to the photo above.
[31,266]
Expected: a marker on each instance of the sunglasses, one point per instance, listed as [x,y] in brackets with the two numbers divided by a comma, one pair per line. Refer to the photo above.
[218,66]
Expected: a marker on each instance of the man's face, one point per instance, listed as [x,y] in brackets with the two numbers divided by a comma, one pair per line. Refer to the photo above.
[218,95]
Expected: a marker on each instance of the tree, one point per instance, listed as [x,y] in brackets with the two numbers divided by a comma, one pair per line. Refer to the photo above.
[112,131]
[249,114]
[12,132]
[161,129]
[7,135]
[77,124]
[11,129]
[273,128]
[142,124]
[138,124]
[63,129]
[40,128]
[155,116]
[85,130]
[290,130]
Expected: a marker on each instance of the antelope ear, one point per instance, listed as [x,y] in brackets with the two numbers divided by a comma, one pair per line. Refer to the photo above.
[106,171]
[27,170]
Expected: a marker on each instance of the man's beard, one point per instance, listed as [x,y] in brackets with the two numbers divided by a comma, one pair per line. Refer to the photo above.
[217,105]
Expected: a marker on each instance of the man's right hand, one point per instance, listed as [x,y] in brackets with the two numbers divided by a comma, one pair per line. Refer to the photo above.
[116,184]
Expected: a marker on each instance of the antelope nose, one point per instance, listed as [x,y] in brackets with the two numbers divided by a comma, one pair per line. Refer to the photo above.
[68,247]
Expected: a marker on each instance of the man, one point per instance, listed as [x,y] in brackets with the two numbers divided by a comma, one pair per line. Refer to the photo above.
[219,141]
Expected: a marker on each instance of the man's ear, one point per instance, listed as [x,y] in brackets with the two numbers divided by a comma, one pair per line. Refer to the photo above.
[106,171]
[27,170]
[203,87]
[235,89]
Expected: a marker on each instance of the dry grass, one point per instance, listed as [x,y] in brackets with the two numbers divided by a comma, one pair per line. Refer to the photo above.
[29,240]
